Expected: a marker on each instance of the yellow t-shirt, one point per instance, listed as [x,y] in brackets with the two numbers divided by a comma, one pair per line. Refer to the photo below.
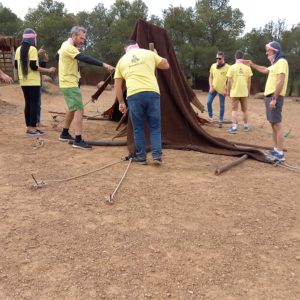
[239,74]
[281,66]
[219,77]
[33,78]
[68,70]
[137,68]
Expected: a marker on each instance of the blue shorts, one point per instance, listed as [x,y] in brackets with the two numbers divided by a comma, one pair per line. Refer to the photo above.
[274,115]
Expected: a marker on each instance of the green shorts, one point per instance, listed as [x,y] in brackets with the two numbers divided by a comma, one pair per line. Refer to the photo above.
[73,98]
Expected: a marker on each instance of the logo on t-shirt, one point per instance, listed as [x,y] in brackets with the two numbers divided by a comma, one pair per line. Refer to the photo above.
[134,59]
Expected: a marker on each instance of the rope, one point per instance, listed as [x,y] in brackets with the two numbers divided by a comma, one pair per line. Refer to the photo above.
[292,167]
[39,184]
[284,165]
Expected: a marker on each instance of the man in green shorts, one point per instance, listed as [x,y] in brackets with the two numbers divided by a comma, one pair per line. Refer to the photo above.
[69,76]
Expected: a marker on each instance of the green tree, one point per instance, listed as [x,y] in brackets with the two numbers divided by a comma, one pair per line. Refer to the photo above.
[197,34]
[254,42]
[274,30]
[122,17]
[108,29]
[155,20]
[97,25]
[221,24]
[219,27]
[291,45]
[179,23]
[52,23]
[10,24]
[97,38]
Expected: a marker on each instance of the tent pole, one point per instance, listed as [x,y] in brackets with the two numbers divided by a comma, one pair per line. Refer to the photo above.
[220,170]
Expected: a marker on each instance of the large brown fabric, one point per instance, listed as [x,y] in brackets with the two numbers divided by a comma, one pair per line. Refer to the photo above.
[180,127]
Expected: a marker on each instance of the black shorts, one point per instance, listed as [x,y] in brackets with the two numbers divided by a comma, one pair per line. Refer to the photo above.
[274,115]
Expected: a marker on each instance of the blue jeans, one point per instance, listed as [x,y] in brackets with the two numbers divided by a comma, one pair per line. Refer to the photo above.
[210,100]
[145,106]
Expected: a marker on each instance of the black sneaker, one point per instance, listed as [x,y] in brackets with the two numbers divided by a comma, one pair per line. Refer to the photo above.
[139,161]
[157,161]
[66,137]
[82,145]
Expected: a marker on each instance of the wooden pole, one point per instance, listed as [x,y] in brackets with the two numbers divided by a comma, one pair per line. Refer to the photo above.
[122,120]
[220,170]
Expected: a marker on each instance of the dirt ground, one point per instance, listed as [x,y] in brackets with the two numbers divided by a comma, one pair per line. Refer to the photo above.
[176,231]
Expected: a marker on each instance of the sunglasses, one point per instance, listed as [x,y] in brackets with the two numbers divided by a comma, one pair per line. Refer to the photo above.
[218,58]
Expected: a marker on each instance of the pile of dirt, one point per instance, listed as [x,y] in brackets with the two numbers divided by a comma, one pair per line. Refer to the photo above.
[7,108]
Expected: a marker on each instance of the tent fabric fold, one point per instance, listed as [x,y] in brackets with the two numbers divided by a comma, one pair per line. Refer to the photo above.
[180,127]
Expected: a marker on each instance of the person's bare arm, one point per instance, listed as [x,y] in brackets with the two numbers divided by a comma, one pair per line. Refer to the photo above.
[279,85]
[46,70]
[163,65]
[119,95]
[210,80]
[249,85]
[4,77]
[250,63]
[46,58]
[228,86]
[261,69]
[108,67]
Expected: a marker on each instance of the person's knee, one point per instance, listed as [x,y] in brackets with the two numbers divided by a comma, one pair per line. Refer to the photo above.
[277,126]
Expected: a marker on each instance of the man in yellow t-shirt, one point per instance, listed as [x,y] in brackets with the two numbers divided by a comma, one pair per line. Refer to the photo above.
[217,86]
[238,88]
[275,90]
[137,68]
[69,76]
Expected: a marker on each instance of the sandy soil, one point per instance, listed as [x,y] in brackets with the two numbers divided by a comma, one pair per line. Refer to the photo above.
[174,232]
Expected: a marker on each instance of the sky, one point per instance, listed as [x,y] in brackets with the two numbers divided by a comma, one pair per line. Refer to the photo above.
[256,13]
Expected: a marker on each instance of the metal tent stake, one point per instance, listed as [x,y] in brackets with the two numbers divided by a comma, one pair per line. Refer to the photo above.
[109,199]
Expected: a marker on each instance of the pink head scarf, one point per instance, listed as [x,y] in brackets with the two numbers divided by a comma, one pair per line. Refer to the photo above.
[29,36]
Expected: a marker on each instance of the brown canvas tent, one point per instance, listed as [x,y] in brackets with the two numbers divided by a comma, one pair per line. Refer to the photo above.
[180,125]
